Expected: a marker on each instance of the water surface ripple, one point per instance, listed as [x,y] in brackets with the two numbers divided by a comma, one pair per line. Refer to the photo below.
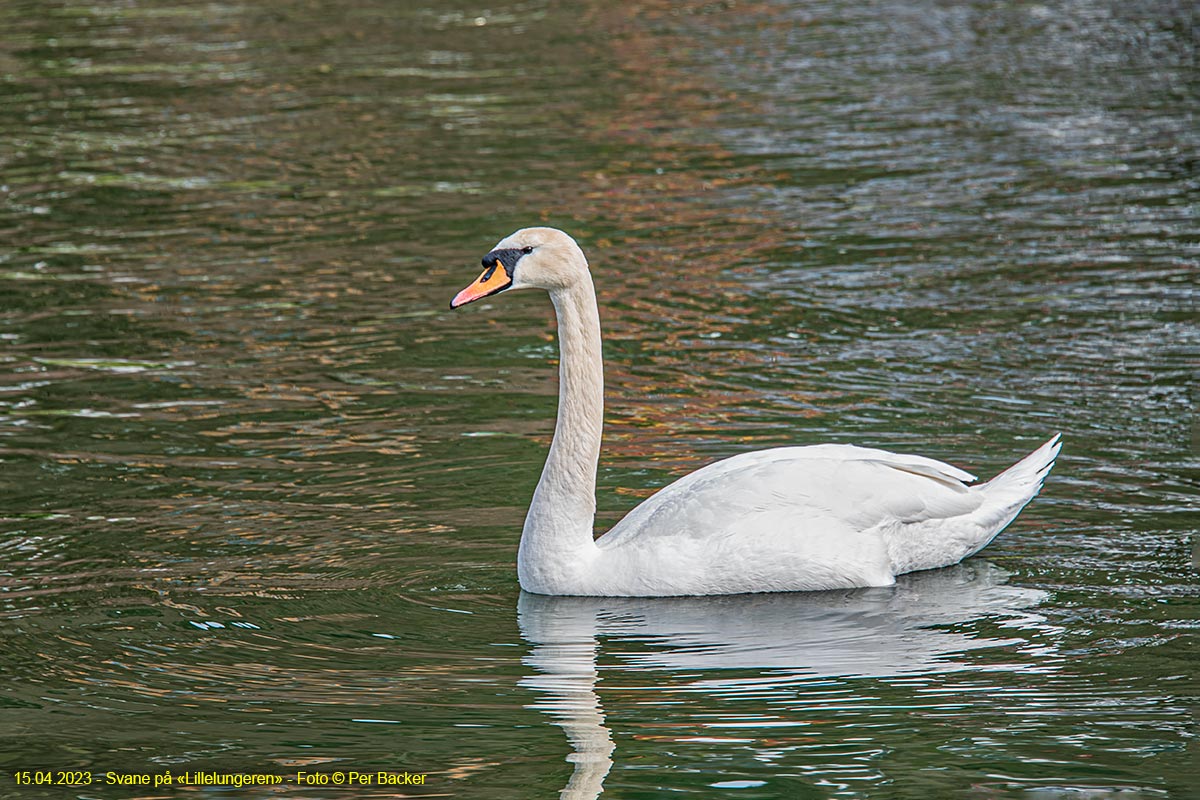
[262,490]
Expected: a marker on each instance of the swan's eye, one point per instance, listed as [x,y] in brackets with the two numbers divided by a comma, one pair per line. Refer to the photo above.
[526,250]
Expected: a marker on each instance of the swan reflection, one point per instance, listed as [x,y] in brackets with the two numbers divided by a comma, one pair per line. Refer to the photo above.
[874,633]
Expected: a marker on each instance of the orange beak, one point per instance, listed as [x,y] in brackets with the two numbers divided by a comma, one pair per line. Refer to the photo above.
[491,281]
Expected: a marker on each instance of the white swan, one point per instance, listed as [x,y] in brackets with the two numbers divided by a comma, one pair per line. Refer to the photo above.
[825,516]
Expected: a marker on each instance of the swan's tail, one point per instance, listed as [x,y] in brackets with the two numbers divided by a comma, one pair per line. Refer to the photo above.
[1007,493]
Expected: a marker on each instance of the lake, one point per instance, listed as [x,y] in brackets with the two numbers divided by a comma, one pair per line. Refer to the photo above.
[261,490]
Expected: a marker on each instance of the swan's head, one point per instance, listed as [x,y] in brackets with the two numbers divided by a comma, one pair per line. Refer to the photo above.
[531,258]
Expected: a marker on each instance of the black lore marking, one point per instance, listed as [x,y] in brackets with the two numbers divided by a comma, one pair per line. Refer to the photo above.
[506,258]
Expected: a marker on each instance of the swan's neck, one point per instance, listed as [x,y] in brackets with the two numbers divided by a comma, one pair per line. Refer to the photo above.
[557,540]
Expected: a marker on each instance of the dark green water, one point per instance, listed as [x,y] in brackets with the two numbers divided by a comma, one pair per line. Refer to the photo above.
[261,490]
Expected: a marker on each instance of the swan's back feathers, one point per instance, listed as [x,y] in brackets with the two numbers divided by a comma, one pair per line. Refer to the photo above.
[794,488]
[873,513]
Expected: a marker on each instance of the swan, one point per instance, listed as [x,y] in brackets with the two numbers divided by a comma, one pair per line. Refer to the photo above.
[826,516]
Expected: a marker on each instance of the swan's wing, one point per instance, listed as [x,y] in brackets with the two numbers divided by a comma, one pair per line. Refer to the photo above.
[767,493]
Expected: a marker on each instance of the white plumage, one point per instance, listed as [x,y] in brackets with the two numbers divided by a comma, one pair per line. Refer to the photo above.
[787,519]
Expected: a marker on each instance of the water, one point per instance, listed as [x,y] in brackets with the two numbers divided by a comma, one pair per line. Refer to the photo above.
[262,489]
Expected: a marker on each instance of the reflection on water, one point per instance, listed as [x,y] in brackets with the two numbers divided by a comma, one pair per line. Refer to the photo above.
[564,655]
[773,646]
[863,633]
[260,491]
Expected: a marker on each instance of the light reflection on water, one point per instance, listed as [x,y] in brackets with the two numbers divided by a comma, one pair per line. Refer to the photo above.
[261,489]
[769,676]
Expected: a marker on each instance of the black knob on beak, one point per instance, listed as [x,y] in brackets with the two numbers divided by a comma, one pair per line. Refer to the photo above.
[489,261]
